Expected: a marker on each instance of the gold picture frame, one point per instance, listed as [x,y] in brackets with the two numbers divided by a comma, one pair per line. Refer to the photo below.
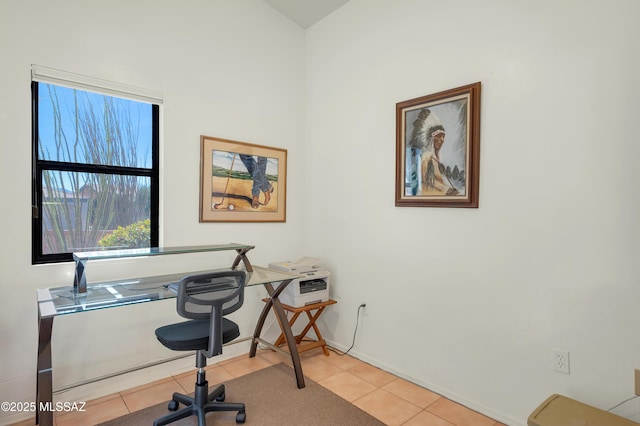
[438,149]
[241,182]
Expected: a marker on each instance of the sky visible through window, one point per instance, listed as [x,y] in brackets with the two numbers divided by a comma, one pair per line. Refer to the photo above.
[65,116]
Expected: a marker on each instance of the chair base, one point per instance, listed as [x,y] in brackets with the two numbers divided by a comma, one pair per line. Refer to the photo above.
[201,404]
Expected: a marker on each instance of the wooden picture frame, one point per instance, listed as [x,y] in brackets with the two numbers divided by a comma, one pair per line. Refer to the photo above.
[438,149]
[241,182]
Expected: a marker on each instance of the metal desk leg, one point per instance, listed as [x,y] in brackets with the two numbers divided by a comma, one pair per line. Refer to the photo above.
[44,378]
[242,256]
[274,302]
[264,314]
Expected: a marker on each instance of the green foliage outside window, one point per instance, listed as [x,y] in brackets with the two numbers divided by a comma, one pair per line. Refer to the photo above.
[136,235]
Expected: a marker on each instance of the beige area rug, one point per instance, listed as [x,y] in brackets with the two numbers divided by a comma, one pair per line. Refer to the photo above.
[271,397]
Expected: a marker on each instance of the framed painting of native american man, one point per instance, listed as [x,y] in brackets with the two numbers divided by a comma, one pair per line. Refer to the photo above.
[241,182]
[438,149]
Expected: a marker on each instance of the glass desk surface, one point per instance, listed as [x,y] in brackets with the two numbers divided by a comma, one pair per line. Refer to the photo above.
[155,251]
[109,294]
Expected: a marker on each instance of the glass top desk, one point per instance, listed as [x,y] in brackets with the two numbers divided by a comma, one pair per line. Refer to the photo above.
[112,294]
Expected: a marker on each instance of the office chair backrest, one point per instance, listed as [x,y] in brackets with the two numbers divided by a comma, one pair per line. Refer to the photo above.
[203,295]
[210,296]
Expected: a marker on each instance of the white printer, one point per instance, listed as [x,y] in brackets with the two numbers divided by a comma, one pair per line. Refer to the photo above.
[310,289]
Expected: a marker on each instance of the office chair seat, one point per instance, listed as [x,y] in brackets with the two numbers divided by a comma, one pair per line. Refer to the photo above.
[194,335]
[204,299]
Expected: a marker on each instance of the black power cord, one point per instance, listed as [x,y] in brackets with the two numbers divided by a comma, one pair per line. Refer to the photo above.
[626,400]
[353,342]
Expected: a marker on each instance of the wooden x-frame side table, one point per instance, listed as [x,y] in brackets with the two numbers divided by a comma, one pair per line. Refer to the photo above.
[313,312]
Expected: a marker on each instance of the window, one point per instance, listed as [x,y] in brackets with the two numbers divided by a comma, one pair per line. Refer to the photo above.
[95,167]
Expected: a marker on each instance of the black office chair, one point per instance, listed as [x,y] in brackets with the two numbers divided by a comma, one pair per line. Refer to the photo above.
[204,299]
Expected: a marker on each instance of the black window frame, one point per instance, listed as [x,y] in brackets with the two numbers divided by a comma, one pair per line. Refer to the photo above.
[38,166]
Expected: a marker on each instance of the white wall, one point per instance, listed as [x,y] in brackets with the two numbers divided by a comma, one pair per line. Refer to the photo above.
[227,69]
[472,302]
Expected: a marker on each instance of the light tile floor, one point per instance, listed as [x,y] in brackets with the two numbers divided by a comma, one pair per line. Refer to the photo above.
[392,400]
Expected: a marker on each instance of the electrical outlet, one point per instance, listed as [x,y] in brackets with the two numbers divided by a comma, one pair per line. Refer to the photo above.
[637,381]
[561,361]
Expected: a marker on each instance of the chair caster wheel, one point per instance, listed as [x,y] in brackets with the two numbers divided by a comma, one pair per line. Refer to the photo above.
[241,417]
[221,397]
[173,405]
